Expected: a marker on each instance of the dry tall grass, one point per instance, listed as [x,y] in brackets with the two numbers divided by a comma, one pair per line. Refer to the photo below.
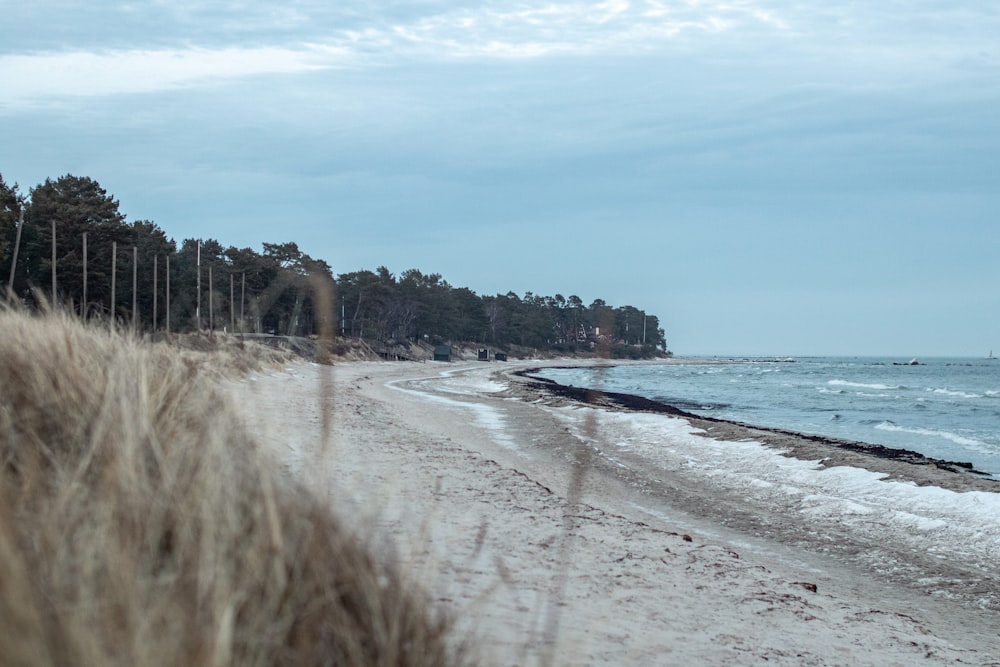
[140,524]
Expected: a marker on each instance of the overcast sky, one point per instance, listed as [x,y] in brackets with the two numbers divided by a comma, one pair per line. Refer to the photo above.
[767,176]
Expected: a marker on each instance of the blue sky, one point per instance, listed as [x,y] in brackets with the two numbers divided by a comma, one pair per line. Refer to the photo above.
[769,177]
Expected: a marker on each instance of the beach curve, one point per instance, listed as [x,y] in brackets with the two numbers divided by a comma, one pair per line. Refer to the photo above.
[464,473]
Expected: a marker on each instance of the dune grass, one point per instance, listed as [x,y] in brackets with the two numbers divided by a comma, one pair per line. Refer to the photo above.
[140,524]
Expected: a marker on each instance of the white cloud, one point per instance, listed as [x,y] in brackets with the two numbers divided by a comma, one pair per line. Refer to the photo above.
[303,38]
[519,31]
[29,77]
[616,26]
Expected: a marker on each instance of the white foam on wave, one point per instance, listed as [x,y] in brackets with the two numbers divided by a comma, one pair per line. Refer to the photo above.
[956,394]
[971,443]
[862,385]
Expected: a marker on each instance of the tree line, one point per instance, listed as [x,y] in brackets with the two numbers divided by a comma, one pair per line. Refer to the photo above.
[67,241]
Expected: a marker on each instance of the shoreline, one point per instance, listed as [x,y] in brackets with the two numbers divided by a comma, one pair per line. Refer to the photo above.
[805,446]
[554,534]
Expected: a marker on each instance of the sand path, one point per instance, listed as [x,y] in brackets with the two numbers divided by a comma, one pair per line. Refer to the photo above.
[479,495]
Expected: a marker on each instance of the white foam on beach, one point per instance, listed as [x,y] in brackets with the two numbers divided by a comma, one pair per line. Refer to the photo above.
[965,525]
[464,384]
[470,384]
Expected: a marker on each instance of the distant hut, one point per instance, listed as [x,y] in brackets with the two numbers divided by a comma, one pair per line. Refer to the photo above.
[442,353]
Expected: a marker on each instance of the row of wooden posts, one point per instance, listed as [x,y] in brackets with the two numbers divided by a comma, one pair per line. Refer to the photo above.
[135,277]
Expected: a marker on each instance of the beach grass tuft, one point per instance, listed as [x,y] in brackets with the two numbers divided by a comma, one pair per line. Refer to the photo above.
[141,524]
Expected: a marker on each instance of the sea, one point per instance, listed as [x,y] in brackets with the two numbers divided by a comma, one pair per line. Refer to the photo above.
[947,408]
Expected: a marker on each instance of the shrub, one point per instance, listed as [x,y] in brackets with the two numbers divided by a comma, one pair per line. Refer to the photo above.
[140,524]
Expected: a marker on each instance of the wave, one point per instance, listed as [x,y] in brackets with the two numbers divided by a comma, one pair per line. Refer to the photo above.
[956,394]
[862,385]
[947,435]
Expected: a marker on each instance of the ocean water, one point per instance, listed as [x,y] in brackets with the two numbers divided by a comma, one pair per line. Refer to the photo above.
[942,408]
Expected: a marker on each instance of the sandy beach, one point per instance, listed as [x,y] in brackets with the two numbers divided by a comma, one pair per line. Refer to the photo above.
[560,533]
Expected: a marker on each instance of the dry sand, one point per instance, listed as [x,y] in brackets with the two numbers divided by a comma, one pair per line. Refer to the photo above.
[547,554]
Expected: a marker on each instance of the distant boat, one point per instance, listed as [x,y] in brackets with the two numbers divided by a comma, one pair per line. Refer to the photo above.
[990,356]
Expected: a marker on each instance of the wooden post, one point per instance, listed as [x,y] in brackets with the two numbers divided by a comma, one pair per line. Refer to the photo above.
[114,270]
[84,306]
[197,309]
[293,323]
[155,276]
[53,262]
[135,285]
[232,305]
[243,295]
[13,261]
[168,294]
[211,294]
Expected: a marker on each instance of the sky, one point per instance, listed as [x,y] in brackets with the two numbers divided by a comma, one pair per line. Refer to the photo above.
[768,177]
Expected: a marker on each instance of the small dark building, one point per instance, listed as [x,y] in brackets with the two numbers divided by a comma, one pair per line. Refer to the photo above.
[442,353]
[484,355]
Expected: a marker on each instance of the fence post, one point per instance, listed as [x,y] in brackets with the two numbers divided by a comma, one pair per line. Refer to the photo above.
[13,261]
[83,307]
[197,309]
[135,285]
[114,271]
[232,305]
[211,304]
[168,295]
[243,295]
[53,262]
[155,295]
